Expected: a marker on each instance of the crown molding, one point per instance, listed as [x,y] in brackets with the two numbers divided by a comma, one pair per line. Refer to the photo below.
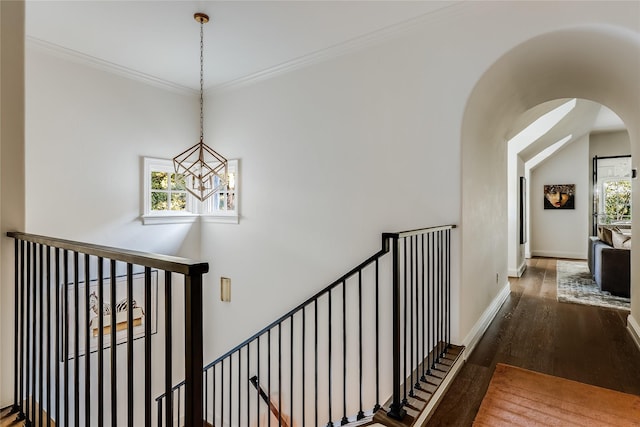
[92,61]
[341,49]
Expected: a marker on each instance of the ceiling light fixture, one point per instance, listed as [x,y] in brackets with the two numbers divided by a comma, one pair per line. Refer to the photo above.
[205,170]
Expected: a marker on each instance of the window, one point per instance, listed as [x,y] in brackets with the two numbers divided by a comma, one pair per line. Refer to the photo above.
[613,190]
[223,206]
[167,201]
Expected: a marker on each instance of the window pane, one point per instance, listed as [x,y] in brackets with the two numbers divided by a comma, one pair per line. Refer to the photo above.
[178,201]
[617,201]
[159,180]
[221,202]
[178,181]
[159,201]
[231,185]
[231,201]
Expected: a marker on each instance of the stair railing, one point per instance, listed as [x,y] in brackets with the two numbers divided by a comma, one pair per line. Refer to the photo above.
[79,332]
[379,330]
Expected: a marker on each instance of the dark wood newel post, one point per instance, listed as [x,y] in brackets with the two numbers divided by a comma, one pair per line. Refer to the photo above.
[193,350]
[396,411]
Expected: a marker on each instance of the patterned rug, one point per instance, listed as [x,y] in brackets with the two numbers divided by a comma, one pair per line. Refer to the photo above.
[576,285]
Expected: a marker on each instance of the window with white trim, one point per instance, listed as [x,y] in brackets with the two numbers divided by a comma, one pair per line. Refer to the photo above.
[167,201]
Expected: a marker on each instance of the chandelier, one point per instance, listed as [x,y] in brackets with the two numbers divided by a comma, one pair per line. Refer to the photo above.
[205,171]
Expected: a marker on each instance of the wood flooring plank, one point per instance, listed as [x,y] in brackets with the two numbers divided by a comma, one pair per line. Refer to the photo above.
[530,398]
[534,331]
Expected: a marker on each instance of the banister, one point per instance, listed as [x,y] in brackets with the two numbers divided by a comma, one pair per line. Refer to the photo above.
[163,262]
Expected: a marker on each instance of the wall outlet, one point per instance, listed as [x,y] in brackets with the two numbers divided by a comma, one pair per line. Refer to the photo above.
[497,278]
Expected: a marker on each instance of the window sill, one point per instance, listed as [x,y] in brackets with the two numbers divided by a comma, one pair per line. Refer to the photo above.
[188,219]
[220,219]
[169,219]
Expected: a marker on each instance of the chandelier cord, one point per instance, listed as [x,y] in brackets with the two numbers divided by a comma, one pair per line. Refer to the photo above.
[201,80]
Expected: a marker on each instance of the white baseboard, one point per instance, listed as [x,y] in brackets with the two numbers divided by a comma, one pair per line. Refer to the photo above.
[519,271]
[559,254]
[634,329]
[471,340]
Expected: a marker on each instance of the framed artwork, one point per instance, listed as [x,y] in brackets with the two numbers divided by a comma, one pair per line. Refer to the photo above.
[559,196]
[120,311]
[523,210]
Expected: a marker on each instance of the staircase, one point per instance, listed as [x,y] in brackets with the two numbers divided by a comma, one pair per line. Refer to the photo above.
[331,360]
[373,347]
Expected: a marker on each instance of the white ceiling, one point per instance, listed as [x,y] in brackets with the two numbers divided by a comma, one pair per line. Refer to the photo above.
[160,39]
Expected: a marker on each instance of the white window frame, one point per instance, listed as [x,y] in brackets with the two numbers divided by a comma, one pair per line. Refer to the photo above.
[195,209]
[208,213]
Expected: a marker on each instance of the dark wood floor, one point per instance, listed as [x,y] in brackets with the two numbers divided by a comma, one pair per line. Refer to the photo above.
[534,331]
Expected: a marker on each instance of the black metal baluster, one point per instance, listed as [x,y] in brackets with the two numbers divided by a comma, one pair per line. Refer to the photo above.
[304,358]
[87,341]
[330,423]
[258,375]
[28,337]
[130,396]
[240,386]
[360,412]
[433,287]
[206,395]
[416,319]
[66,337]
[48,276]
[23,340]
[179,388]
[280,374]
[40,333]
[16,339]
[76,335]
[230,388]
[34,360]
[58,335]
[168,349]
[222,392]
[377,406]
[213,393]
[410,312]
[248,388]
[424,297]
[404,317]
[147,346]
[315,325]
[100,341]
[344,420]
[449,288]
[439,285]
[291,374]
[269,376]
[396,411]
[113,343]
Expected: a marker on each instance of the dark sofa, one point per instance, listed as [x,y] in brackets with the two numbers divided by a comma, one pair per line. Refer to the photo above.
[610,267]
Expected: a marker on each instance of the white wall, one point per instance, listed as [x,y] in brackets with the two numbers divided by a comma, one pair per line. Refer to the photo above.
[562,233]
[87,131]
[12,204]
[331,156]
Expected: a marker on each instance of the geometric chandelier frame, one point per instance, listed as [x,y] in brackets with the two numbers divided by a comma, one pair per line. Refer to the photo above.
[205,170]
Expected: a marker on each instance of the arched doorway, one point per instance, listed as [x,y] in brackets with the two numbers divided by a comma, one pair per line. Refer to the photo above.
[600,64]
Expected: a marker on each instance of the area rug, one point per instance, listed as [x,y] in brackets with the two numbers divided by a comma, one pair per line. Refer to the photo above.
[576,285]
[519,397]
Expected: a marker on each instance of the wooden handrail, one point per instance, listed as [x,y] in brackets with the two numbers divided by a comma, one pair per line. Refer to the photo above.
[163,262]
